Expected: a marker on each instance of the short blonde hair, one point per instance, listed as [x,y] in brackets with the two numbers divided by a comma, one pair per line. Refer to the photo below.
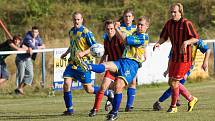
[145,19]
[181,9]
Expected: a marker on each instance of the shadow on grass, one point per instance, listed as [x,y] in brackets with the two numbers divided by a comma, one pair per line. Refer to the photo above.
[23,117]
[138,110]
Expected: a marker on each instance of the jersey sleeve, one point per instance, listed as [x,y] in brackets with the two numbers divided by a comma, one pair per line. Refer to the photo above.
[202,46]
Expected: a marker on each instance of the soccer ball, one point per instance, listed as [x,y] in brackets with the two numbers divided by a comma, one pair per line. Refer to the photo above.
[97,50]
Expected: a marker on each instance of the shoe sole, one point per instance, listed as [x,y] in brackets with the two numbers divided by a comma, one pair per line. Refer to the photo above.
[191,108]
[173,112]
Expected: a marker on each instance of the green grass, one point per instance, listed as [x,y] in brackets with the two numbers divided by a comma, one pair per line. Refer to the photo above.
[37,108]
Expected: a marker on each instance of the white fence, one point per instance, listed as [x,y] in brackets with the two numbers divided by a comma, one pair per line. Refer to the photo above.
[150,72]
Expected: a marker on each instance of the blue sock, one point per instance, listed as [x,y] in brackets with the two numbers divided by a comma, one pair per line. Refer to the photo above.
[165,95]
[68,101]
[182,81]
[98,68]
[130,96]
[96,89]
[116,102]
[107,93]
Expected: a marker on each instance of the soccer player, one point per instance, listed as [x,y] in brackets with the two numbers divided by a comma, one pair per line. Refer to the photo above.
[127,66]
[8,45]
[81,39]
[182,35]
[128,28]
[114,48]
[203,47]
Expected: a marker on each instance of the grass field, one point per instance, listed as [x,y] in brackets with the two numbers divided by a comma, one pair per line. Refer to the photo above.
[37,108]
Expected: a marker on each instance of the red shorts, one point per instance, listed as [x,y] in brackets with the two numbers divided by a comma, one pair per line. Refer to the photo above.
[177,70]
[109,75]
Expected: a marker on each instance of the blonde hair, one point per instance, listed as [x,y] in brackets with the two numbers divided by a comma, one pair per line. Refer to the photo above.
[144,18]
[181,9]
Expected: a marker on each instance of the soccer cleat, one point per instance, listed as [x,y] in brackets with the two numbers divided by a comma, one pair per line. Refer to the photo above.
[129,109]
[112,117]
[172,110]
[68,113]
[178,103]
[157,106]
[92,112]
[192,103]
[108,105]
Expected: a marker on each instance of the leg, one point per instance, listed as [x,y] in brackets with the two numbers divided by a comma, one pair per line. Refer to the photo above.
[20,73]
[119,85]
[131,94]
[174,84]
[89,88]
[2,81]
[68,96]
[104,86]
[100,68]
[166,94]
[28,75]
[192,100]
[3,73]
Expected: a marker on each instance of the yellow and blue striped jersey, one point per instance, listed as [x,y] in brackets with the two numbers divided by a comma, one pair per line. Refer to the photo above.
[80,39]
[202,46]
[135,46]
[128,30]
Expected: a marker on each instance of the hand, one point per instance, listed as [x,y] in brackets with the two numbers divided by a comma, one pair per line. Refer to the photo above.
[63,56]
[42,47]
[205,67]
[157,45]
[30,51]
[117,25]
[165,73]
[184,47]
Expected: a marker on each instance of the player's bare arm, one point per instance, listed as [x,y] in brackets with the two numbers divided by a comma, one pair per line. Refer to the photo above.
[65,54]
[157,45]
[119,33]
[187,42]
[206,59]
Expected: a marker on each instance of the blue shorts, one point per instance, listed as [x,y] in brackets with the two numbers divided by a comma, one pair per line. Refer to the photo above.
[3,71]
[78,74]
[127,69]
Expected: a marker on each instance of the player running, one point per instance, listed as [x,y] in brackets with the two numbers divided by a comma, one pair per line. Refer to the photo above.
[203,47]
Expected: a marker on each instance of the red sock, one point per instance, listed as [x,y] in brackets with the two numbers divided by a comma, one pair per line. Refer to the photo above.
[98,100]
[184,92]
[175,94]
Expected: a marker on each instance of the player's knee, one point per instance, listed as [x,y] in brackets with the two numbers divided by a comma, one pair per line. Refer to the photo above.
[119,85]
[174,84]
[88,89]
[132,85]
[65,87]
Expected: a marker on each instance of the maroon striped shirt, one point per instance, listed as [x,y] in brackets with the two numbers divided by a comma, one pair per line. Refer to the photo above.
[178,32]
[113,48]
